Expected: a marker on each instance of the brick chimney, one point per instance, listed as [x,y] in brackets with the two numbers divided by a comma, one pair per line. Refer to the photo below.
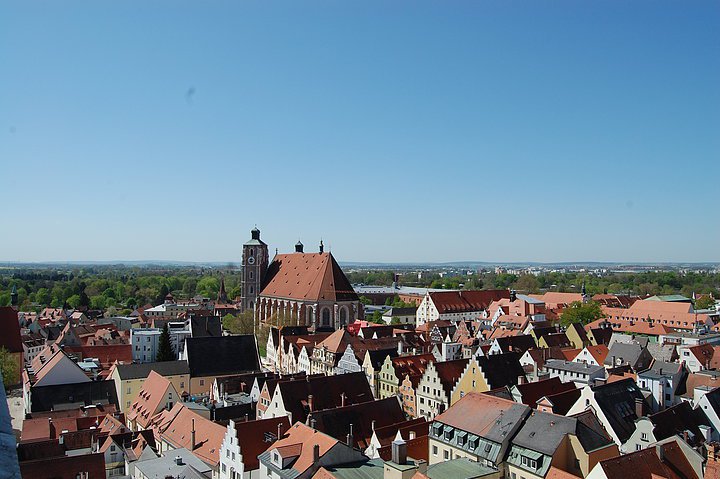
[639,407]
[192,436]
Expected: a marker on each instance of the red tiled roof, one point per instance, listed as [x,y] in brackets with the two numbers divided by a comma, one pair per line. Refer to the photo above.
[466,301]
[149,401]
[251,437]
[177,431]
[307,277]
[299,442]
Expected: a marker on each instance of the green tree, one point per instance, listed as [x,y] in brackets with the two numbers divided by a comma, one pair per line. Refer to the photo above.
[208,287]
[243,323]
[705,302]
[165,349]
[43,296]
[527,283]
[581,313]
[73,301]
[8,368]
[188,287]
[160,298]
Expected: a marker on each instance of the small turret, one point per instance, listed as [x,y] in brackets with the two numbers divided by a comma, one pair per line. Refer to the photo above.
[322,248]
[14,296]
[298,247]
[255,233]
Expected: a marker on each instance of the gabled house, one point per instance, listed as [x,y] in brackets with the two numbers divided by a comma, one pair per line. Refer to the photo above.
[436,385]
[631,354]
[244,441]
[662,381]
[702,356]
[577,336]
[456,305]
[300,452]
[594,355]
[299,397]
[617,406]
[52,367]
[394,370]
[488,372]
[567,443]
[692,425]
[129,378]
[554,340]
[156,394]
[372,364]
[599,336]
[478,427]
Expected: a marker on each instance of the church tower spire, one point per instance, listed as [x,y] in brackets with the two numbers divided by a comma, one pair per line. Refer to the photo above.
[222,295]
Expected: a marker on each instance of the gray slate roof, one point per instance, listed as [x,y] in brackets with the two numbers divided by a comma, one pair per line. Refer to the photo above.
[164,368]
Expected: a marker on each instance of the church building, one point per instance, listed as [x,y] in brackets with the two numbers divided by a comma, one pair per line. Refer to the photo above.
[307,289]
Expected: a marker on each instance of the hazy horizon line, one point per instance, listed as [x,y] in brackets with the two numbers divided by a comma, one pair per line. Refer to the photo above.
[351,263]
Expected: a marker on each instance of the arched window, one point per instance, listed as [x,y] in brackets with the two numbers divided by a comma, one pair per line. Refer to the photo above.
[309,315]
[326,317]
[252,251]
[252,290]
[251,274]
[343,316]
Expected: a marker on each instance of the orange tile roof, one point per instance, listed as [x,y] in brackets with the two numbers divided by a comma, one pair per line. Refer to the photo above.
[598,352]
[299,442]
[149,401]
[208,435]
[307,277]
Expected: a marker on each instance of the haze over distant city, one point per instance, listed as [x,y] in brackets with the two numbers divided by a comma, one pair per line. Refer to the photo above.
[396,132]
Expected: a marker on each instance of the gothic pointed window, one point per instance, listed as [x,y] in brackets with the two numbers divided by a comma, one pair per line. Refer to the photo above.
[326,317]
[343,316]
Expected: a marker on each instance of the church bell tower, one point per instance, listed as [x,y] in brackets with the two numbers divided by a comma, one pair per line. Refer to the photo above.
[254,265]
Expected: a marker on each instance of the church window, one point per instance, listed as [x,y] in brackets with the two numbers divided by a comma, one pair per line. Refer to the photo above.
[251,251]
[251,275]
[343,316]
[252,290]
[326,317]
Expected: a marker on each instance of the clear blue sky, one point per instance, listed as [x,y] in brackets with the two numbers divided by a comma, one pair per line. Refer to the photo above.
[396,131]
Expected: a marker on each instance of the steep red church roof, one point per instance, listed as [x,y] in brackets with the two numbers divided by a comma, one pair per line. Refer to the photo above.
[307,277]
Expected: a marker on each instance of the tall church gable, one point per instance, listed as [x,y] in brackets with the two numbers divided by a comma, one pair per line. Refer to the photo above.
[307,277]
